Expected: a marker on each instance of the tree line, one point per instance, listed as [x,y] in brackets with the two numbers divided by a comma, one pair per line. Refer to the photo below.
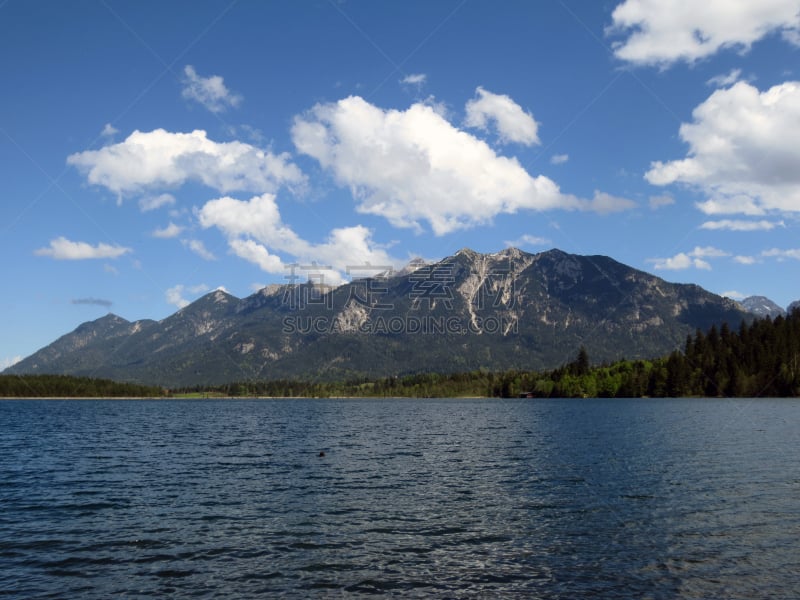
[65,386]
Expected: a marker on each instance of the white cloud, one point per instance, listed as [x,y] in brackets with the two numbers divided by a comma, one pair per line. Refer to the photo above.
[149,203]
[687,260]
[679,262]
[63,249]
[256,253]
[559,159]
[211,92]
[725,80]
[512,123]
[734,295]
[415,79]
[258,218]
[793,253]
[604,204]
[162,159]
[527,240]
[661,32]
[708,252]
[255,231]
[413,165]
[170,231]
[199,248]
[109,130]
[661,201]
[745,260]
[739,225]
[175,295]
[743,151]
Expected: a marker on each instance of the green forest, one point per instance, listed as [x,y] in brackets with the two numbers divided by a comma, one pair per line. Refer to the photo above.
[759,359]
[64,386]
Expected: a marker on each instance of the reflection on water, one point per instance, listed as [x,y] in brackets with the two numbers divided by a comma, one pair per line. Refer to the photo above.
[447,498]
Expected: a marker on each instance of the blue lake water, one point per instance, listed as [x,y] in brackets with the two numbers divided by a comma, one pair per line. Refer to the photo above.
[565,499]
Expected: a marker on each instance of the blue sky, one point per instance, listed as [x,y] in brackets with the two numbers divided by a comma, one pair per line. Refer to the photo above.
[152,152]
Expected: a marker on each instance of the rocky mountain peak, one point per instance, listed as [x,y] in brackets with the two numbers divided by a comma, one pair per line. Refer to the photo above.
[220,296]
[761,306]
[468,252]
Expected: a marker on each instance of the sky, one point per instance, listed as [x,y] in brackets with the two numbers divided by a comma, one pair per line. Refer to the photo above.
[151,152]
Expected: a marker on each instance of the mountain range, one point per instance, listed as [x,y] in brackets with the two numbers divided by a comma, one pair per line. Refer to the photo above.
[470,311]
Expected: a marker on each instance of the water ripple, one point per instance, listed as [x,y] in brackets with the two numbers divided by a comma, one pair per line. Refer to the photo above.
[439,498]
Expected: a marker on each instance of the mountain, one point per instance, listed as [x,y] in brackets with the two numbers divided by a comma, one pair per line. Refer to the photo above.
[762,306]
[793,306]
[469,311]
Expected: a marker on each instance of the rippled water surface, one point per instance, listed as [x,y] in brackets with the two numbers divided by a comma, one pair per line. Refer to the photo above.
[427,498]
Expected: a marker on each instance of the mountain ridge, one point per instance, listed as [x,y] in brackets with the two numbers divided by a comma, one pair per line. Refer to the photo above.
[508,309]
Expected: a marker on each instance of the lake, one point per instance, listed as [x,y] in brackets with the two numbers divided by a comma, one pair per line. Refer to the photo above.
[683,498]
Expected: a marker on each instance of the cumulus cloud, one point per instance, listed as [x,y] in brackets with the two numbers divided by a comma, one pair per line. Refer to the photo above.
[258,218]
[743,151]
[170,231]
[256,253]
[162,159]
[686,260]
[63,249]
[255,231]
[199,248]
[413,166]
[93,302]
[740,225]
[662,32]
[211,92]
[512,123]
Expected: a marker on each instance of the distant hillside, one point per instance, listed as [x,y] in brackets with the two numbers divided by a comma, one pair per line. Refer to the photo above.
[469,311]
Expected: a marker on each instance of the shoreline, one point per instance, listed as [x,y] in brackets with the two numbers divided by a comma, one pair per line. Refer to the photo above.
[2,398]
